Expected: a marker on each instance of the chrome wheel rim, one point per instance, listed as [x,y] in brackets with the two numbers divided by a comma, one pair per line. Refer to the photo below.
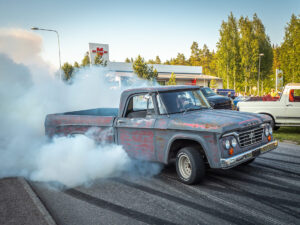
[185,166]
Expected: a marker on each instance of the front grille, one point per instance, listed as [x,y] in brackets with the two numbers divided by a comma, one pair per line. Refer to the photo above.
[250,137]
[223,105]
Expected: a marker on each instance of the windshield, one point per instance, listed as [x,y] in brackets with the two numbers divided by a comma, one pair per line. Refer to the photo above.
[207,92]
[182,101]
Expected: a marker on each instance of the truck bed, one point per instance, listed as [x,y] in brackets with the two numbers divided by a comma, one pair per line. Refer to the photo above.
[79,122]
[95,112]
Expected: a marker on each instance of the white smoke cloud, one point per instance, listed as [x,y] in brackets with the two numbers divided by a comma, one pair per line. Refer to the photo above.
[28,92]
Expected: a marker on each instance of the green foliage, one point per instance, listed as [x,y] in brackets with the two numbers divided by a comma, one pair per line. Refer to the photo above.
[290,51]
[127,60]
[228,53]
[86,60]
[76,65]
[68,71]
[213,83]
[172,80]
[143,70]
[100,61]
[157,60]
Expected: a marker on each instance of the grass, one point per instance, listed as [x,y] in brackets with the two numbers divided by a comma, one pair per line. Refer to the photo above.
[288,133]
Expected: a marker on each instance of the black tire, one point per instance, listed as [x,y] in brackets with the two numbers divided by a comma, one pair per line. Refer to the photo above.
[273,125]
[247,162]
[190,165]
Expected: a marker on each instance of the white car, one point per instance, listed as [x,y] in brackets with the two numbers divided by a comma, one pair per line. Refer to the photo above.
[284,112]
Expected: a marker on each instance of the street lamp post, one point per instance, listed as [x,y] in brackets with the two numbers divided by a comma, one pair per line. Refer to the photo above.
[261,54]
[37,28]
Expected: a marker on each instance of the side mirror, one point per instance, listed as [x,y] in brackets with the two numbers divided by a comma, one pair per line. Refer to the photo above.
[147,96]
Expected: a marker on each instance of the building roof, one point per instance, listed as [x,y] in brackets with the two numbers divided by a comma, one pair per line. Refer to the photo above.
[161,88]
[188,76]
[161,68]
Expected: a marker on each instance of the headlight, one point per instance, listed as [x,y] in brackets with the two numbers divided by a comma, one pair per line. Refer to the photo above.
[234,142]
[270,130]
[227,144]
[267,131]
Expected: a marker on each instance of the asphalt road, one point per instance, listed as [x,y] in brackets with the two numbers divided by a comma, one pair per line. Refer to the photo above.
[265,192]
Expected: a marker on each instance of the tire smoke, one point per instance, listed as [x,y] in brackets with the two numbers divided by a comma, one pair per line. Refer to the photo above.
[28,92]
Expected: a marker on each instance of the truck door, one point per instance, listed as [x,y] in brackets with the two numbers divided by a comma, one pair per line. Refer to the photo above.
[135,128]
[293,107]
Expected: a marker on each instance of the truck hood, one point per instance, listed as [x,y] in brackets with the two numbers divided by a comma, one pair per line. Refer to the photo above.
[219,121]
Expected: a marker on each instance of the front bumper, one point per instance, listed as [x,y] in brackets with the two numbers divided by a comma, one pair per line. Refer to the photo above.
[243,157]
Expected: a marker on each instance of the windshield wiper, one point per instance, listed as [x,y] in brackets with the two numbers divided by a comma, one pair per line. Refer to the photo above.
[192,109]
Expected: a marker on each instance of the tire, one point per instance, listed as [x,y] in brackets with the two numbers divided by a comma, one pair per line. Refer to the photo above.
[190,165]
[273,125]
[247,162]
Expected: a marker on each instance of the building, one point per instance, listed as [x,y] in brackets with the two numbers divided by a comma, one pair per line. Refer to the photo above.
[185,75]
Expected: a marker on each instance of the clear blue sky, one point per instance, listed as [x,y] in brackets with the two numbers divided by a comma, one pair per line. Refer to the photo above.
[133,27]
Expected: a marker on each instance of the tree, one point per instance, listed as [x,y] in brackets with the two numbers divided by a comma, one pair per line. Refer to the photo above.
[290,51]
[249,50]
[213,84]
[143,70]
[157,60]
[195,54]
[265,47]
[127,60]
[172,80]
[76,65]
[228,52]
[68,70]
[86,60]
[99,60]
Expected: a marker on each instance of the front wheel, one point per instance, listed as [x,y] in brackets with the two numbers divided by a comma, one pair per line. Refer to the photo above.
[190,166]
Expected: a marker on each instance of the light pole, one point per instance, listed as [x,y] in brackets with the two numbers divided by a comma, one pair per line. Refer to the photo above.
[37,28]
[261,54]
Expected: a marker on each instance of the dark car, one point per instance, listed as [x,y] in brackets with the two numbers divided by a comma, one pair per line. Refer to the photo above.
[226,92]
[216,101]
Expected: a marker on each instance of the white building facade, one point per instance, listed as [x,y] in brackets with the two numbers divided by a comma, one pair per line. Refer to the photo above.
[185,75]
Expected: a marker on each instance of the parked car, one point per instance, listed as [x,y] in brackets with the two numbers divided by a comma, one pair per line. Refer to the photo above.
[284,111]
[216,101]
[226,92]
[239,99]
[164,123]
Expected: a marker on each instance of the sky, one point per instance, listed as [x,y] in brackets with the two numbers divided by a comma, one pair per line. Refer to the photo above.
[133,27]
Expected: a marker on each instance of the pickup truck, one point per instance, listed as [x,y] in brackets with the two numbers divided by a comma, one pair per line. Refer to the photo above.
[174,123]
[284,111]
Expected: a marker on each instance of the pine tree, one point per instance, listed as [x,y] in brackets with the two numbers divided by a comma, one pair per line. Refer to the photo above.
[86,60]
[100,61]
[157,60]
[76,65]
[172,80]
[143,70]
[228,53]
[68,71]
[127,60]
[290,51]
[195,55]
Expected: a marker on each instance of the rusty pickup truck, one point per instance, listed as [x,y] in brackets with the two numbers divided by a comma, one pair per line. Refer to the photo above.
[173,124]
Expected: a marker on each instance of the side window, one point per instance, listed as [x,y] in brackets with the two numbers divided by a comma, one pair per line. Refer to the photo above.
[142,102]
[140,106]
[161,107]
[294,95]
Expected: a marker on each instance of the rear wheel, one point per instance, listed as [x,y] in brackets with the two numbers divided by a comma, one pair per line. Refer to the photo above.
[190,165]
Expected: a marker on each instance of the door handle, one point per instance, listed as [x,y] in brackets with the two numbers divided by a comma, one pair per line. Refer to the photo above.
[121,121]
[289,105]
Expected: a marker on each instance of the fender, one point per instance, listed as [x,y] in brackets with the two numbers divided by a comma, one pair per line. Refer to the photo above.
[211,152]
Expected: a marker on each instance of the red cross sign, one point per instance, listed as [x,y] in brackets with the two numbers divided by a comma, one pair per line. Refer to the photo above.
[100,51]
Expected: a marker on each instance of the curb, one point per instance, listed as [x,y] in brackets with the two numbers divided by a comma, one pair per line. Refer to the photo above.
[37,202]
